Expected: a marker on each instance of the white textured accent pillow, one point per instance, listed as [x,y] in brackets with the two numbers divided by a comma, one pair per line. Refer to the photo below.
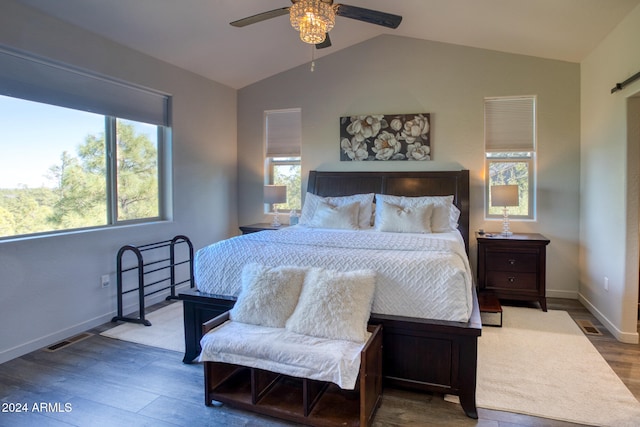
[405,219]
[454,216]
[441,218]
[331,216]
[269,294]
[334,305]
[364,214]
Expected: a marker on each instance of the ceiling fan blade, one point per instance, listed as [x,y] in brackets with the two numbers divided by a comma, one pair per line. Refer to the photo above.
[260,17]
[325,43]
[367,15]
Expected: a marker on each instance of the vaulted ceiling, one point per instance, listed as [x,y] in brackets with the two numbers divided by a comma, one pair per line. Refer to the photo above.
[196,35]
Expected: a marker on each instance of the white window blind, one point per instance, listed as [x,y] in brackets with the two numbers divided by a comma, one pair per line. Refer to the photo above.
[509,124]
[283,132]
[40,80]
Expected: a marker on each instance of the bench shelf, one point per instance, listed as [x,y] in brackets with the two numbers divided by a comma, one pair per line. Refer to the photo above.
[301,400]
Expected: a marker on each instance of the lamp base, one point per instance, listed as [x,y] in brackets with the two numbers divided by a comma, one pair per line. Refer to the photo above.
[505,223]
[276,221]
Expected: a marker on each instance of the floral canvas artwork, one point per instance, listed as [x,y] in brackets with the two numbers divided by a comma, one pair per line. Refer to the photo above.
[385,137]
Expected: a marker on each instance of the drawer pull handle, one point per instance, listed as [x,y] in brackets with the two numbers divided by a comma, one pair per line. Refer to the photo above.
[511,279]
[512,261]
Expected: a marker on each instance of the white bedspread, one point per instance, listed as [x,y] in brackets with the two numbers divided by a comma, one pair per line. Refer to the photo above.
[302,356]
[418,275]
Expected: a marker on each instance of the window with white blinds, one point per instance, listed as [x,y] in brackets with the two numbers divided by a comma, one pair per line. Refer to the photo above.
[283,136]
[509,124]
[510,149]
[283,132]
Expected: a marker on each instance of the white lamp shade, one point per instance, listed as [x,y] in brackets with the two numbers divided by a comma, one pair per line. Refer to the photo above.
[504,195]
[275,194]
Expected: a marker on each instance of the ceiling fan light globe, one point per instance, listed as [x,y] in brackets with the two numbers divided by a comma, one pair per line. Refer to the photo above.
[312,33]
[313,19]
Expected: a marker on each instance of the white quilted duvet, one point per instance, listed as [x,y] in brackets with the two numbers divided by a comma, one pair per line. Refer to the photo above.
[418,275]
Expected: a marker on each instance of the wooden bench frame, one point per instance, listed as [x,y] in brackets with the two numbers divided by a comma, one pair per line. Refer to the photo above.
[302,400]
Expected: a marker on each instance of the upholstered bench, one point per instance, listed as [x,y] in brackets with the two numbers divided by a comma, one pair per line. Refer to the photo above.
[297,346]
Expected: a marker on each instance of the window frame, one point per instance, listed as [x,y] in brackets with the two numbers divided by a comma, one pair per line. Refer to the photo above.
[530,161]
[286,154]
[270,164]
[110,179]
[512,154]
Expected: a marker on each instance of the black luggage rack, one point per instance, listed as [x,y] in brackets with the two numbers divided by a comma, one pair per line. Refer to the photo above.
[155,266]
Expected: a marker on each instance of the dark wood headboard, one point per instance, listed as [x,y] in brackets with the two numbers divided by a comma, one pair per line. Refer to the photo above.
[411,184]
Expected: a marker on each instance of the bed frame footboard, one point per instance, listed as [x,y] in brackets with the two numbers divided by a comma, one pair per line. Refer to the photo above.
[429,355]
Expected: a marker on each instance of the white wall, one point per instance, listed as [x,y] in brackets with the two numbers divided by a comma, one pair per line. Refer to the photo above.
[50,286]
[391,74]
[609,180]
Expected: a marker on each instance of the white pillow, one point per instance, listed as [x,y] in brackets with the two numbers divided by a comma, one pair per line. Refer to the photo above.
[331,216]
[364,215]
[334,305]
[454,216]
[405,219]
[441,218]
[268,295]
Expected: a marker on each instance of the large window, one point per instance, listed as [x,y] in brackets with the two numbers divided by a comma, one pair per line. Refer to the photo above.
[68,162]
[282,159]
[510,144]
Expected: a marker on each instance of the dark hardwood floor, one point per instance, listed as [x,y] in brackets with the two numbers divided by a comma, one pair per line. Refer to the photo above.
[105,382]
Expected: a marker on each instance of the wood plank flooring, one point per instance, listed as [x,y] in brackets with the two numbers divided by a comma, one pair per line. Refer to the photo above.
[105,382]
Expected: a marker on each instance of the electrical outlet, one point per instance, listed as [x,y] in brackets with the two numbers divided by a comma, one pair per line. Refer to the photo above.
[606,283]
[104,280]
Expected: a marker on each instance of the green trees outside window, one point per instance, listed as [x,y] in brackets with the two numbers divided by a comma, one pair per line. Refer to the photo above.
[111,176]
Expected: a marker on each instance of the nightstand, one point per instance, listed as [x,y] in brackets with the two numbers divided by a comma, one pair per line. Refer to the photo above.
[513,267]
[261,226]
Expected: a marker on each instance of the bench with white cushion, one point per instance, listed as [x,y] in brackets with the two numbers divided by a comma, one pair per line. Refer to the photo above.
[297,346]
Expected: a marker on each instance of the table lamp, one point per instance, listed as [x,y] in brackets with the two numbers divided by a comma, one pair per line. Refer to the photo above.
[274,194]
[505,196]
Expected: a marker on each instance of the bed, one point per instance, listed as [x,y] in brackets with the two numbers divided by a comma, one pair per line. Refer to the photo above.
[428,345]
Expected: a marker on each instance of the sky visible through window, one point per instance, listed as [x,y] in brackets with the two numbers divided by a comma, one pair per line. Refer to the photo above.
[33,136]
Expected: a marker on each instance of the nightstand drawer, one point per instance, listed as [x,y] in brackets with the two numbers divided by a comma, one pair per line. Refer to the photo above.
[512,280]
[510,261]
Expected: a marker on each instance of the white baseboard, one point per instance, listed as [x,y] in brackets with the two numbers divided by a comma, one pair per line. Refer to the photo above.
[47,340]
[625,337]
[52,338]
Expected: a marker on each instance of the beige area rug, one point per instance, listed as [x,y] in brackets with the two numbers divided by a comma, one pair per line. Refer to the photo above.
[542,364]
[166,330]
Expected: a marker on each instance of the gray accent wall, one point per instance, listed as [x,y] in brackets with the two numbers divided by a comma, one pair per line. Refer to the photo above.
[391,74]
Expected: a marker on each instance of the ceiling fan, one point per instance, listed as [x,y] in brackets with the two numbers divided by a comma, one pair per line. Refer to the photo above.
[315,18]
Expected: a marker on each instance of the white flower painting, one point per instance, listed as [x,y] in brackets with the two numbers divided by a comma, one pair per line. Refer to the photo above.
[385,137]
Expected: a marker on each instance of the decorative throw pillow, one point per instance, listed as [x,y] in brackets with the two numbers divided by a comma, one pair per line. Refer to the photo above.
[331,216]
[441,218]
[268,295]
[405,219]
[334,305]
[364,214]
